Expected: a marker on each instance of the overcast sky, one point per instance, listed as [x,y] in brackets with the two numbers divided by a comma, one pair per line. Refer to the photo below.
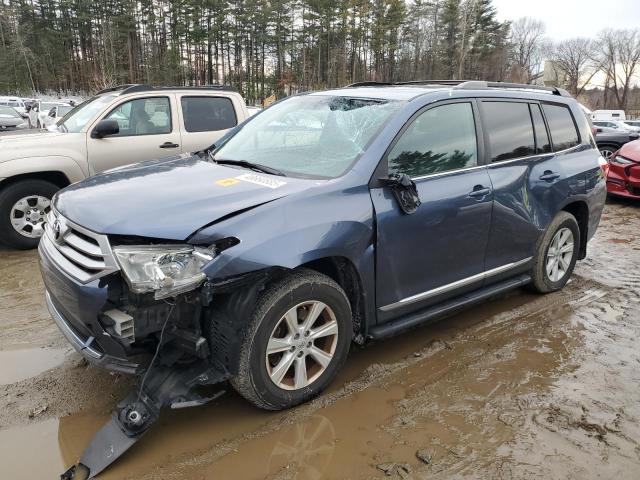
[573,18]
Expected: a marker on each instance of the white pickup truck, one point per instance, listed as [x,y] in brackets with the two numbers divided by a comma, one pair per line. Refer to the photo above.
[119,126]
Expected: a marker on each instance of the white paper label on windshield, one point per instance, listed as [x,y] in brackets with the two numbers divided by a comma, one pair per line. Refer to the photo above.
[261,180]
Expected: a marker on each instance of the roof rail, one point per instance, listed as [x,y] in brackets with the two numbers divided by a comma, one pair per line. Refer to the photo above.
[479,85]
[470,85]
[432,82]
[138,87]
[149,88]
[116,88]
[370,83]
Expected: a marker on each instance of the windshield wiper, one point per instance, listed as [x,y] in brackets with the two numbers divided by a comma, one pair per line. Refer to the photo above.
[250,165]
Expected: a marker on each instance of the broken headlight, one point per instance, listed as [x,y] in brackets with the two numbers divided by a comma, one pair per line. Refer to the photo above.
[166,270]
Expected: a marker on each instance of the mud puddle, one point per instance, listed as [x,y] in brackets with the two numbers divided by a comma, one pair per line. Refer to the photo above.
[25,321]
[26,363]
[27,452]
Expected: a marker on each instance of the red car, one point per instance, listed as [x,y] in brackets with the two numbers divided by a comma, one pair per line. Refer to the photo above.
[623,177]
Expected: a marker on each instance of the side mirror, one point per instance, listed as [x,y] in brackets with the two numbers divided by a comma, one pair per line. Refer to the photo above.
[405,191]
[104,128]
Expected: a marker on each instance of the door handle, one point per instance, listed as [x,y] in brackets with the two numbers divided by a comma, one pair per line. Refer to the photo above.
[479,191]
[548,175]
[169,145]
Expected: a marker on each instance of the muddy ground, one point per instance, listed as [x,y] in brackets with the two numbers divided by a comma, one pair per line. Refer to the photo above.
[525,386]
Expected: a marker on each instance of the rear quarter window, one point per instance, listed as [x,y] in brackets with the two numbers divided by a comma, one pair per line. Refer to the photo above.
[206,114]
[564,133]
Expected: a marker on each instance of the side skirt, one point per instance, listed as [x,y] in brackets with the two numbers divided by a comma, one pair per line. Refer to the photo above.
[437,312]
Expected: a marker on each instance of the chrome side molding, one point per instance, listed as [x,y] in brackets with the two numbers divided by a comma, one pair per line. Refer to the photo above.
[454,285]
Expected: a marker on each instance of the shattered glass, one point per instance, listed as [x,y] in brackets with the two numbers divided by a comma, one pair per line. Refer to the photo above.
[312,136]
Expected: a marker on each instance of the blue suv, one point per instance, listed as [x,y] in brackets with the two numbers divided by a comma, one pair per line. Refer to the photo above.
[329,218]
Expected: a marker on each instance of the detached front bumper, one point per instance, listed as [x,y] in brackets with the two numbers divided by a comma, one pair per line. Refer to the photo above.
[85,345]
[76,308]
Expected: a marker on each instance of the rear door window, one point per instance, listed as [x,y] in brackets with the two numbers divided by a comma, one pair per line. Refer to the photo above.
[509,129]
[564,133]
[207,114]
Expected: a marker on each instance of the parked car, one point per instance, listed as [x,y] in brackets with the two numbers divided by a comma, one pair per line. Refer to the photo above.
[608,115]
[117,127]
[10,119]
[610,140]
[633,123]
[623,177]
[614,125]
[330,217]
[42,111]
[15,103]
[55,114]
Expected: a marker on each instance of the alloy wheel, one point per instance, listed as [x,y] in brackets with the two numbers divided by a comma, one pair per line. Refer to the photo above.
[29,214]
[302,345]
[560,254]
[606,153]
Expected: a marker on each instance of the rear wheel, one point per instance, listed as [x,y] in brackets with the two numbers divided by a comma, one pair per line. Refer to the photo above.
[24,206]
[296,342]
[556,254]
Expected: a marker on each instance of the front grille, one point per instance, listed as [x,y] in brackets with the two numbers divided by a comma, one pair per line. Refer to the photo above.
[80,253]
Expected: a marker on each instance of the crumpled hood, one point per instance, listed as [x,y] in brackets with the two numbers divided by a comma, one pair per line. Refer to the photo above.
[169,199]
[631,150]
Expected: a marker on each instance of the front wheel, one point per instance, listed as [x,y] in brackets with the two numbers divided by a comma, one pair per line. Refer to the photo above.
[556,254]
[24,206]
[297,340]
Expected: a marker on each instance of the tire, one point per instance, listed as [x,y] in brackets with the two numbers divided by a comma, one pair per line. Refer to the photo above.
[254,380]
[9,196]
[542,280]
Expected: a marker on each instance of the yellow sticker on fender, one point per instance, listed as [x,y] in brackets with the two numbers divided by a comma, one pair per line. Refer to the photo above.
[227,182]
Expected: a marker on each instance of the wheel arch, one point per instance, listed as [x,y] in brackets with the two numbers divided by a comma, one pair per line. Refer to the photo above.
[580,211]
[55,177]
[344,273]
[59,170]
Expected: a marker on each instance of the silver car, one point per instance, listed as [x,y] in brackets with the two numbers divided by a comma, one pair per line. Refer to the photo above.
[10,119]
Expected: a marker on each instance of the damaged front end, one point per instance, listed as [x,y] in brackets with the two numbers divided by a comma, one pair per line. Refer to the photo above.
[142,309]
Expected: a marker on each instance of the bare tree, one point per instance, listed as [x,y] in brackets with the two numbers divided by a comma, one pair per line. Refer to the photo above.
[528,45]
[620,58]
[576,59]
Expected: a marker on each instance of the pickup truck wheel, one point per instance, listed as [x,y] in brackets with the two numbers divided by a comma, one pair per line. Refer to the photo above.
[556,254]
[24,206]
[297,340]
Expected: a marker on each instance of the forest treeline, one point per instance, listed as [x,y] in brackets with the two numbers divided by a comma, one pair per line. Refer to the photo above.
[273,47]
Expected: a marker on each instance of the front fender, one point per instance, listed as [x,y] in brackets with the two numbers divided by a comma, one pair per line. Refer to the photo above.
[53,163]
[293,231]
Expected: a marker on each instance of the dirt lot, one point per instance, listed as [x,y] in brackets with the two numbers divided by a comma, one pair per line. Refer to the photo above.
[525,386]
